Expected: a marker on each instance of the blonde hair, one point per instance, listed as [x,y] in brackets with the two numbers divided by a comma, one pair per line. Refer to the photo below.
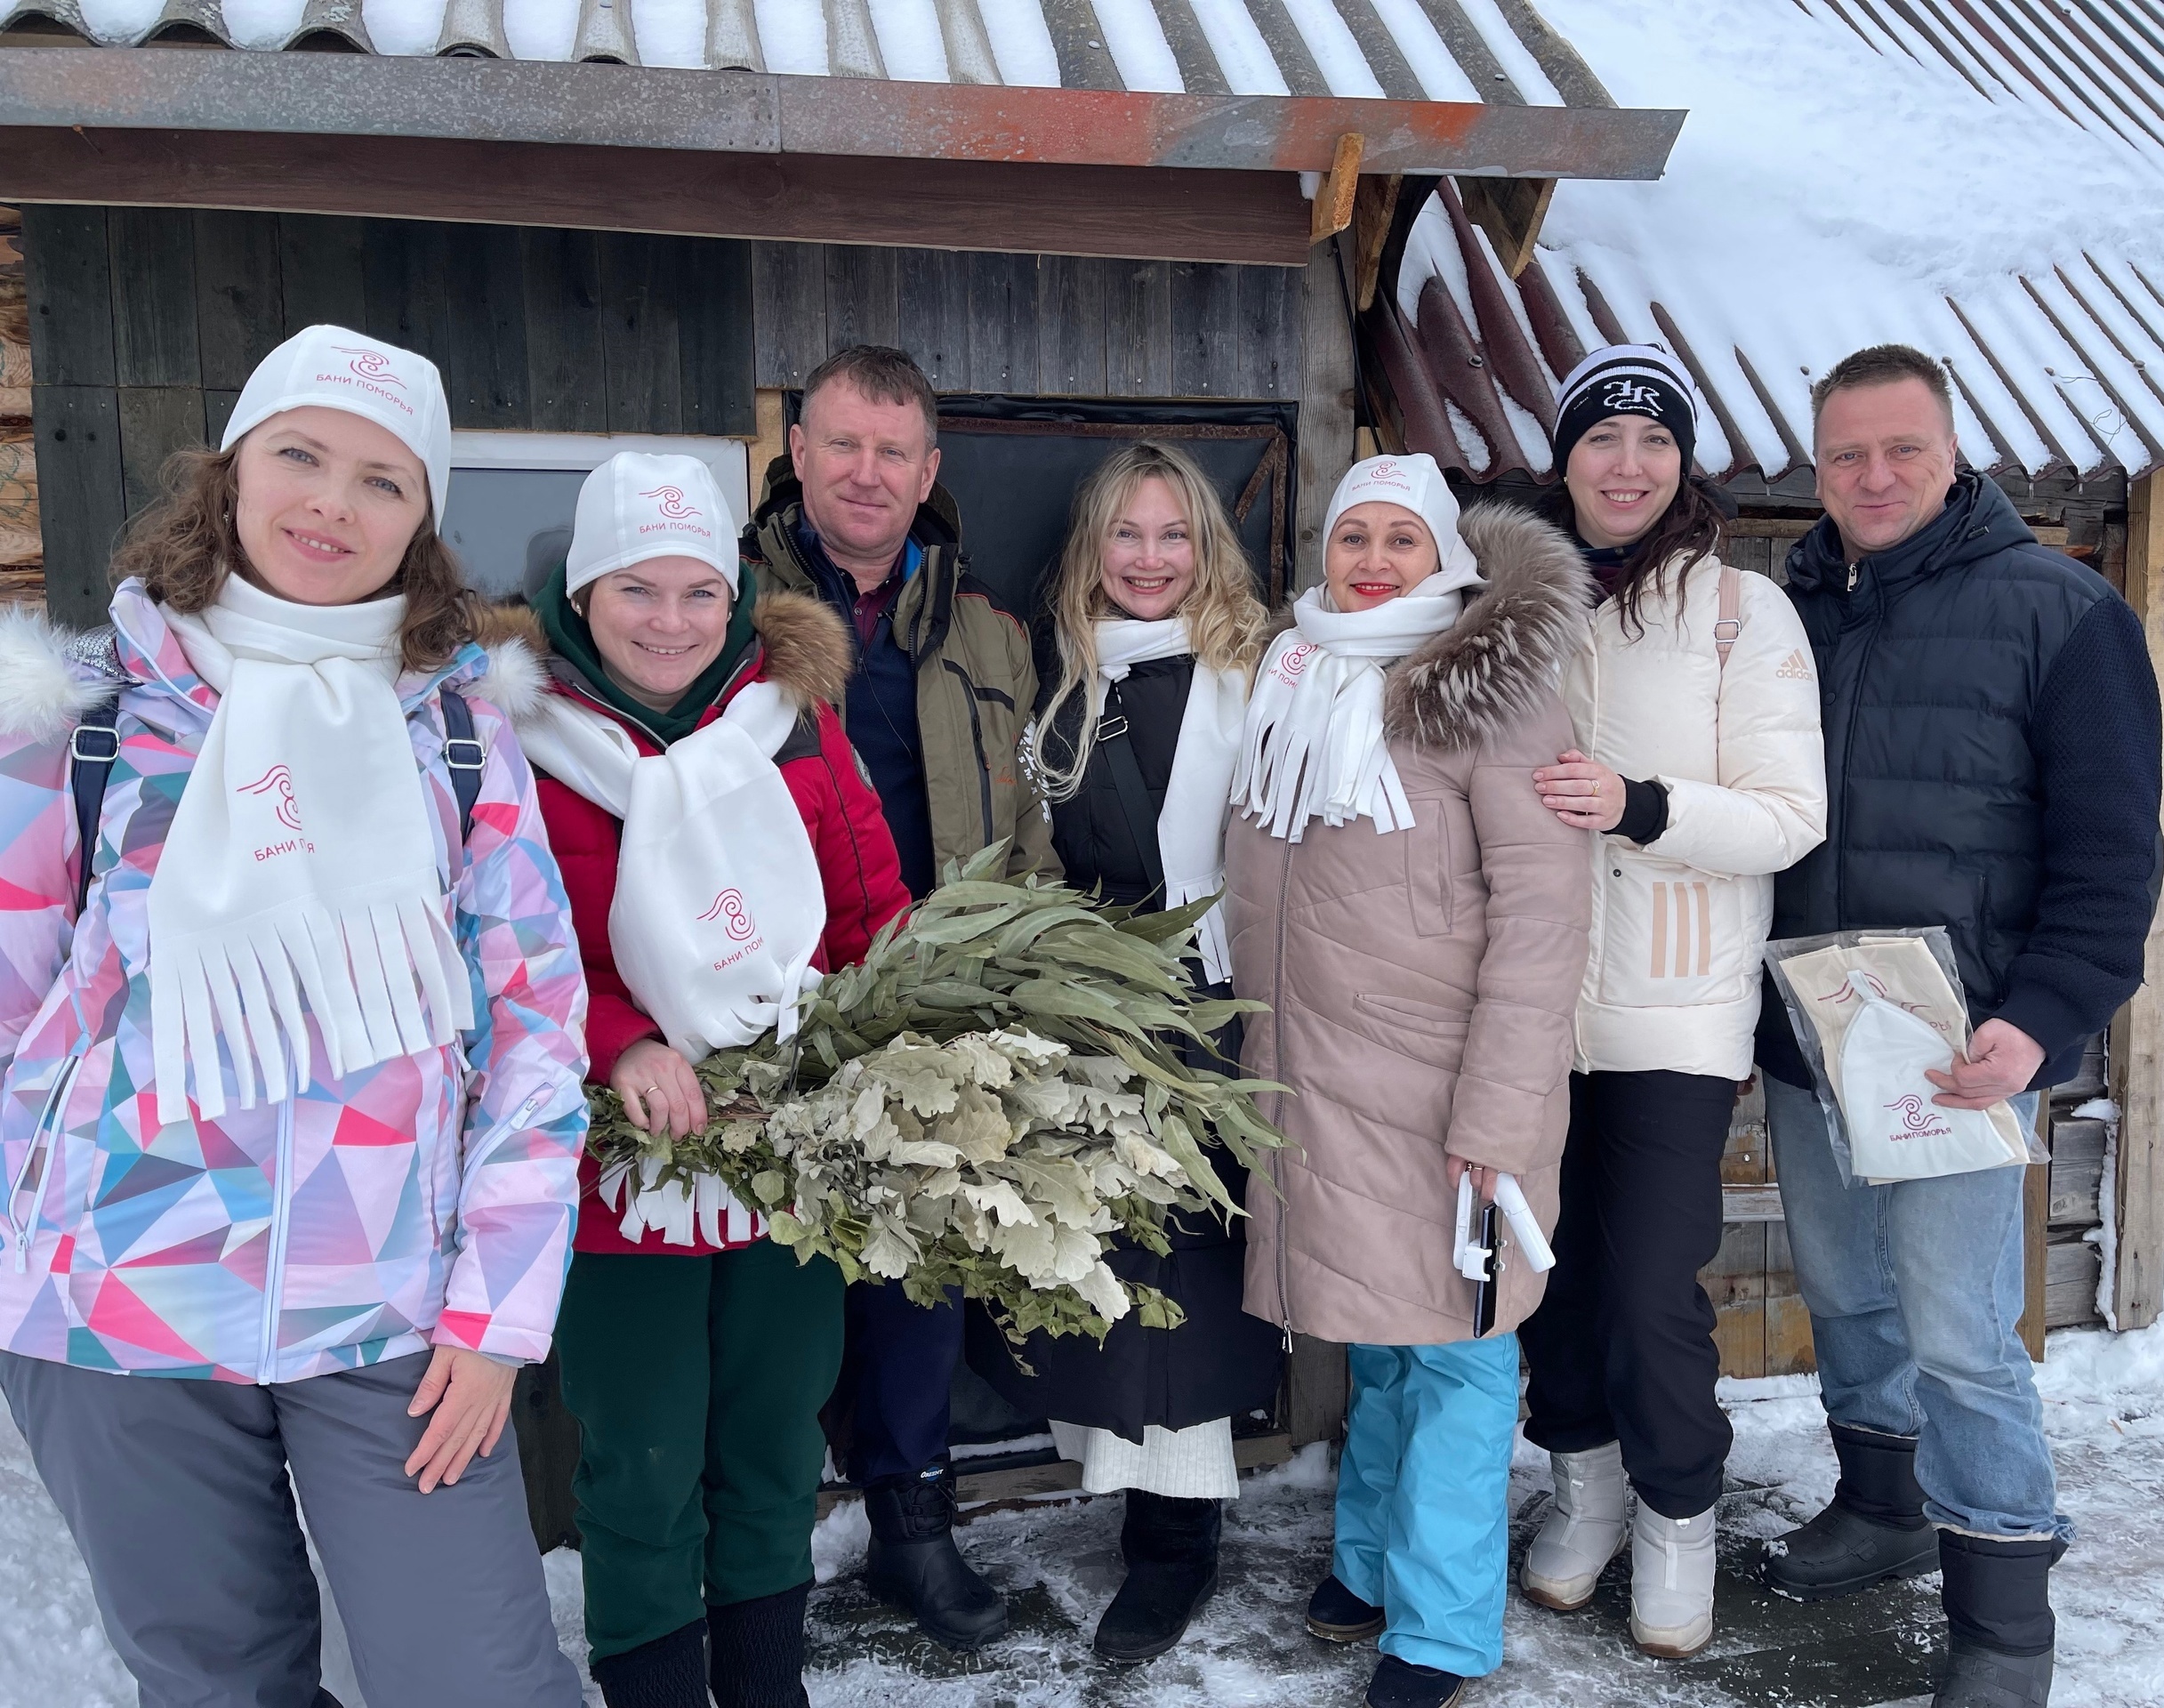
[1225,619]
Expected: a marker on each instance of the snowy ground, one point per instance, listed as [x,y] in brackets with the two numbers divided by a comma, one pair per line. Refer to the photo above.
[1057,1562]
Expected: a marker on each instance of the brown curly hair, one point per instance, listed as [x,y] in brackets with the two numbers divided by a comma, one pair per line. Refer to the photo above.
[184,545]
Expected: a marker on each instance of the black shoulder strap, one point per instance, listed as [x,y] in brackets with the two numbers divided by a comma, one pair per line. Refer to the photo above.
[92,750]
[465,756]
[1134,792]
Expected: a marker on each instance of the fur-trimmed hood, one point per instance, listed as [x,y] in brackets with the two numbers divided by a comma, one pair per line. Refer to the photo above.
[50,677]
[806,649]
[1492,666]
[1507,647]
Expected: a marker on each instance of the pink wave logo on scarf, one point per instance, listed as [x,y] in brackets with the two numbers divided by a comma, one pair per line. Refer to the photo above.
[278,777]
[729,906]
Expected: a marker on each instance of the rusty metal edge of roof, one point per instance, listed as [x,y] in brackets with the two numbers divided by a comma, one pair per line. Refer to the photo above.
[756,112]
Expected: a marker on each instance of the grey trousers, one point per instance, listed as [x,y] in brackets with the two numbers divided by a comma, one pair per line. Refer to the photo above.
[177,1492]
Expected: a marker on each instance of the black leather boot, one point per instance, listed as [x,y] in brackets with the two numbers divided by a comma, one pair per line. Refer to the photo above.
[668,1673]
[1337,1615]
[1874,1528]
[755,1651]
[1401,1684]
[913,1562]
[2000,1629]
[1170,1547]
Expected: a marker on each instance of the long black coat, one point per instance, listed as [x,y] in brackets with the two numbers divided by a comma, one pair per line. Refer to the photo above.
[1220,1362]
[1991,765]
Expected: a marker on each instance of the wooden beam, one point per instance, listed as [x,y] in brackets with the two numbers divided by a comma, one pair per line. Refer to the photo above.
[1372,211]
[1138,213]
[2137,1057]
[1333,196]
[1509,210]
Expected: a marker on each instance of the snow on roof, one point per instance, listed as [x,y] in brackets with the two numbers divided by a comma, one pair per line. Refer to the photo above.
[1495,50]
[1982,179]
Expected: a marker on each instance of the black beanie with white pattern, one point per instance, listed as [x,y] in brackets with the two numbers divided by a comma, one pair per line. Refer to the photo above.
[1627,379]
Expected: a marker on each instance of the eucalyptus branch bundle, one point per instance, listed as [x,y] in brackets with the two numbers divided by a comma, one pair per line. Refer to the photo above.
[985,1101]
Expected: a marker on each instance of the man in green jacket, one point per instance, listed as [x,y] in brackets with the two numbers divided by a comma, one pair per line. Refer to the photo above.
[942,689]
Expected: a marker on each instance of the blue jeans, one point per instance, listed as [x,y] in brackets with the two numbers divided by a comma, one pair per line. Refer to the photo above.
[1915,1291]
[1424,1497]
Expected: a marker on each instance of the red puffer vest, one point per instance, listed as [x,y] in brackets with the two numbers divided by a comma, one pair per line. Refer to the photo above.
[801,646]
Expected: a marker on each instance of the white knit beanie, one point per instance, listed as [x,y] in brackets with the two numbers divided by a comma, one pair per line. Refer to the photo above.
[331,367]
[635,507]
[1413,483]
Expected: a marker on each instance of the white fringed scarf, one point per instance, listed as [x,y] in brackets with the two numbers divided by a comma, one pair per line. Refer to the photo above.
[1191,823]
[719,908]
[300,862]
[1314,746]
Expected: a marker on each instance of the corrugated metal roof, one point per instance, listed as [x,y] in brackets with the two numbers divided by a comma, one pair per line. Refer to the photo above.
[1493,51]
[2057,370]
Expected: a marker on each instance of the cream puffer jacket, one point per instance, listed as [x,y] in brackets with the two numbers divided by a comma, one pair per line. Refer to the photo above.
[1673,979]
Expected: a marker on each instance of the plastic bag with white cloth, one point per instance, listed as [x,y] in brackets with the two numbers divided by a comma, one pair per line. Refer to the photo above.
[1874,1012]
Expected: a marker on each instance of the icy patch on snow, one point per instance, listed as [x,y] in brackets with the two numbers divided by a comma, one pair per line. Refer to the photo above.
[839,1541]
[1308,1470]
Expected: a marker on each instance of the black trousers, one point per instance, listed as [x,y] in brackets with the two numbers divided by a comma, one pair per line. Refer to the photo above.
[1622,1348]
[897,1373]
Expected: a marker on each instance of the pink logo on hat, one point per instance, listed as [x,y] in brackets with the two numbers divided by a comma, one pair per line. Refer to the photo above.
[673,504]
[1383,472]
[371,365]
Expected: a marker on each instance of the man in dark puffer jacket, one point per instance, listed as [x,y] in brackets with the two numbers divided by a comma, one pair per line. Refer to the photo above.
[1992,756]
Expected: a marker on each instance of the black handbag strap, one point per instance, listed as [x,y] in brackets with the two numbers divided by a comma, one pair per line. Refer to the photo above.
[1126,771]
[466,758]
[92,750]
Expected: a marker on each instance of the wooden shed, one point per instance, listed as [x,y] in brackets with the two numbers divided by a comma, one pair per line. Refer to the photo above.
[2058,373]
[611,223]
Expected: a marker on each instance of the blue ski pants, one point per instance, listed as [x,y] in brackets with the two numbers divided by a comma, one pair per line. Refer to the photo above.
[1423,1497]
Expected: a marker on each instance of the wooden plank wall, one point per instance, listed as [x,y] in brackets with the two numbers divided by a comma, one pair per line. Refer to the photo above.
[1035,325]
[145,323]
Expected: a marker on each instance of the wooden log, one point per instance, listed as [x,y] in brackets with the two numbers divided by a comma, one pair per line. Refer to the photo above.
[1510,211]
[1735,1282]
[1325,446]
[2077,1172]
[2071,1269]
[21,547]
[2137,1056]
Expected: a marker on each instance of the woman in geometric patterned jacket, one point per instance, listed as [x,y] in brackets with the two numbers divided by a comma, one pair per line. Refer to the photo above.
[293,1050]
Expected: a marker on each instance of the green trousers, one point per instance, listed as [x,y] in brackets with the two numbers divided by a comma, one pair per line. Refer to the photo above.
[697,1383]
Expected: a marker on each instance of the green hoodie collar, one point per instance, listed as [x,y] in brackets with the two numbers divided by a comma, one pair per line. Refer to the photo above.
[570,634]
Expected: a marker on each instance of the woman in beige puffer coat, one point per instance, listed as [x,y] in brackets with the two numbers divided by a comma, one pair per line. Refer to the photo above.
[1698,761]
[1416,921]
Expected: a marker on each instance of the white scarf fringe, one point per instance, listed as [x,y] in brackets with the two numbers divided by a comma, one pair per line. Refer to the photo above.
[1314,746]
[300,877]
[672,1208]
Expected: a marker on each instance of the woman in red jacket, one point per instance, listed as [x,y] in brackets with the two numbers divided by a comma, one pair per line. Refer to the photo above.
[685,709]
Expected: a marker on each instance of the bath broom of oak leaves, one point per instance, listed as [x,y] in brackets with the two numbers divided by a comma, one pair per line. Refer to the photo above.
[984,1101]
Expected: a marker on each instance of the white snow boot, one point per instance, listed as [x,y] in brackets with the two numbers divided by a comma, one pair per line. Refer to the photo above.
[1671,1583]
[1584,1529]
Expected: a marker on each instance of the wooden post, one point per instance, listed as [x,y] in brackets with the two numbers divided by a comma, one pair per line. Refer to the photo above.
[1510,211]
[2137,1066]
